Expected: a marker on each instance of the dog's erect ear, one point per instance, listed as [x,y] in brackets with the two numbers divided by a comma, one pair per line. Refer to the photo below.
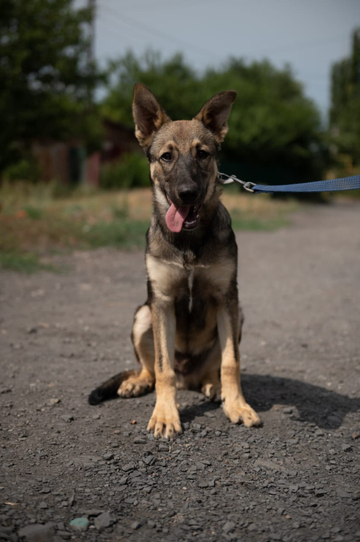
[215,113]
[148,114]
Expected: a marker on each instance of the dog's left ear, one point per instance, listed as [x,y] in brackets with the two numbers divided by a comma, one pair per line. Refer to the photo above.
[215,113]
[148,114]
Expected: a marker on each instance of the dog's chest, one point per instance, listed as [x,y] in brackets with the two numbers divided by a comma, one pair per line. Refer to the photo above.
[201,286]
[190,260]
[190,286]
[192,282]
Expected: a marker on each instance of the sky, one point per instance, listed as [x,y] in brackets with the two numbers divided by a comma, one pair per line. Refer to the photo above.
[310,35]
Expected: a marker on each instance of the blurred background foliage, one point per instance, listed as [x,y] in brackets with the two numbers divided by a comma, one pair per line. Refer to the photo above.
[63,115]
[47,78]
[345,102]
[272,122]
[49,82]
[131,171]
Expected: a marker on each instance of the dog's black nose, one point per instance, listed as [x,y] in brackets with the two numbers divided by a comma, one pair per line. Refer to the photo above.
[188,194]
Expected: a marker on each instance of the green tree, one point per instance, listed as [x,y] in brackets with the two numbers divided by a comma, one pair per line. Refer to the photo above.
[173,82]
[46,79]
[272,123]
[345,102]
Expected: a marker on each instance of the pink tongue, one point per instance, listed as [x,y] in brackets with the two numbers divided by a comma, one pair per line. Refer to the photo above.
[175,217]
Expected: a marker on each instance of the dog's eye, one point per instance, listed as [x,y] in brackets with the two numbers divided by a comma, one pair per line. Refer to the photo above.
[202,154]
[166,157]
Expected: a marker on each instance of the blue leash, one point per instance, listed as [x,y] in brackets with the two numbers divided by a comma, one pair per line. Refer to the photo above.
[332,185]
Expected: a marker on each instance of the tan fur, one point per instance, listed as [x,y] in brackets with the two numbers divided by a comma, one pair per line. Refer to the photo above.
[188,331]
[180,278]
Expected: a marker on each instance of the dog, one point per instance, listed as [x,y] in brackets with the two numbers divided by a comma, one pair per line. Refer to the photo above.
[187,334]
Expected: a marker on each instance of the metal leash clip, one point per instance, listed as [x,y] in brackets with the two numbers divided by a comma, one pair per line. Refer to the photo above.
[223,178]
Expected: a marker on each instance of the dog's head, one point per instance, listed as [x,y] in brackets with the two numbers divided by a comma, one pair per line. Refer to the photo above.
[182,154]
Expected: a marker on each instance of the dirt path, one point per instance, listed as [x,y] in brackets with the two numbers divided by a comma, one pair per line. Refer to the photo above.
[294,479]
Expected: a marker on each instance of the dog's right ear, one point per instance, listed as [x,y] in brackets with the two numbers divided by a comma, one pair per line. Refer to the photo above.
[148,114]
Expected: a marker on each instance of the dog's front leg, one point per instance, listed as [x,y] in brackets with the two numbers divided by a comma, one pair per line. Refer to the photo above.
[165,420]
[234,404]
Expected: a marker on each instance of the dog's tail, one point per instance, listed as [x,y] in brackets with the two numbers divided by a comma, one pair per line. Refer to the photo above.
[108,390]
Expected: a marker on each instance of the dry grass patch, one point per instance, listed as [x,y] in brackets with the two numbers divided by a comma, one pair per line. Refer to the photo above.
[34,220]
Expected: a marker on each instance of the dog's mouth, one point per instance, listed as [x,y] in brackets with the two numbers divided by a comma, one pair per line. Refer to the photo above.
[181,217]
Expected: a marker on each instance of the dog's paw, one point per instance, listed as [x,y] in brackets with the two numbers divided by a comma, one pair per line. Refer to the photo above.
[237,410]
[212,392]
[165,421]
[133,387]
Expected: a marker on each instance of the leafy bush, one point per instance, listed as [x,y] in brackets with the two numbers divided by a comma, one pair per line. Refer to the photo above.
[272,124]
[33,212]
[24,170]
[131,171]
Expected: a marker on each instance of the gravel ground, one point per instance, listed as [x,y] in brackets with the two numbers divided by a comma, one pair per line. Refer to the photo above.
[75,472]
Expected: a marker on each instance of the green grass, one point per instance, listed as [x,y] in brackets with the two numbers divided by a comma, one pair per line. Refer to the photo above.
[38,220]
[23,263]
[257,224]
[125,234]
[35,213]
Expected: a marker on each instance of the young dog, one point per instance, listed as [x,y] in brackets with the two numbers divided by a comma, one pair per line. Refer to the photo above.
[187,333]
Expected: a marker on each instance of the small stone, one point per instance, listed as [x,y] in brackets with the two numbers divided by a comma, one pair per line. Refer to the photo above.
[355,435]
[288,410]
[37,533]
[62,535]
[45,490]
[228,527]
[139,440]
[135,525]
[93,512]
[319,492]
[108,456]
[147,489]
[5,390]
[67,418]
[102,521]
[346,447]
[120,489]
[79,524]
[128,467]
[149,459]
[196,427]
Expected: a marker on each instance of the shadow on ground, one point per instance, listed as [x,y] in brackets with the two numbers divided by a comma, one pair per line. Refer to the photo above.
[327,409]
